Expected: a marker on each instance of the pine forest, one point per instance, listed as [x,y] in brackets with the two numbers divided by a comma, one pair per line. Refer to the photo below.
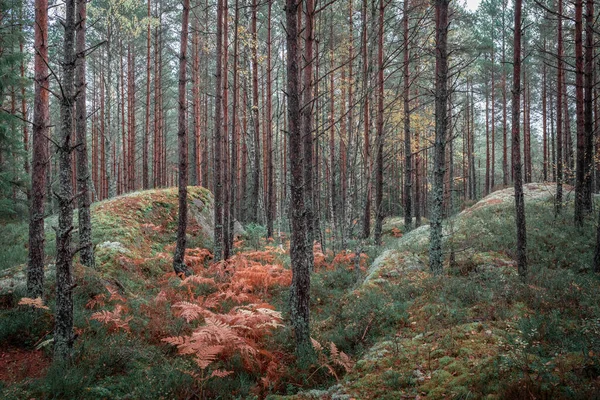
[299,199]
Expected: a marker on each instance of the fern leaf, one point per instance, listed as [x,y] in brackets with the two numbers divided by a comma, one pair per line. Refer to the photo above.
[35,303]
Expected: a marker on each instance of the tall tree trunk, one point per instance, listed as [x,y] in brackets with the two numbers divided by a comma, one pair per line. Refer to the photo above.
[441,120]
[487,142]
[579,78]
[225,136]
[196,111]
[145,156]
[131,108]
[332,185]
[233,168]
[559,113]
[366,227]
[86,253]
[544,122]
[271,200]
[40,157]
[505,172]
[182,134]
[516,150]
[346,208]
[300,291]
[63,329]
[588,113]
[218,141]
[380,139]
[255,118]
[493,120]
[306,128]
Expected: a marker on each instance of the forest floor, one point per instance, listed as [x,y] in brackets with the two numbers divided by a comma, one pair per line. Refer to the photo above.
[386,330]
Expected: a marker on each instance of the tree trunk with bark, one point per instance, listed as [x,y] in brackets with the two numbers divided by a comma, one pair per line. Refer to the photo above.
[86,253]
[218,141]
[441,120]
[300,291]
[63,328]
[516,150]
[182,135]
[380,138]
[41,117]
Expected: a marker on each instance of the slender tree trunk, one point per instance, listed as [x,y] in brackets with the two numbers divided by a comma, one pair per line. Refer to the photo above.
[559,113]
[441,120]
[332,184]
[86,253]
[579,103]
[306,127]
[346,209]
[182,134]
[196,151]
[380,137]
[588,113]
[300,291]
[225,135]
[493,121]
[271,198]
[145,173]
[233,168]
[516,151]
[505,172]
[40,158]
[255,118]
[218,141]
[24,112]
[63,329]
[132,143]
[487,143]
[544,122]
[366,227]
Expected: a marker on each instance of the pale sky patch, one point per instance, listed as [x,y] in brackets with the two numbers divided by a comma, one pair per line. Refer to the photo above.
[472,5]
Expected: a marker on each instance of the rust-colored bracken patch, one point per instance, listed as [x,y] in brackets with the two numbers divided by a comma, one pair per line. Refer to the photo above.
[17,365]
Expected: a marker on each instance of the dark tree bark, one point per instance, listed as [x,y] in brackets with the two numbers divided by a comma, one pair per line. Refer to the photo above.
[588,112]
[516,150]
[582,168]
[255,119]
[300,291]
[182,134]
[505,172]
[487,143]
[35,266]
[307,128]
[63,329]
[145,174]
[86,252]
[233,169]
[493,121]
[380,138]
[271,198]
[225,135]
[441,121]
[544,122]
[218,141]
[366,227]
[559,113]
[596,261]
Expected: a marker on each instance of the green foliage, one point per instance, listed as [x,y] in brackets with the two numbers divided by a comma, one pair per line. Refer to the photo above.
[13,241]
[254,234]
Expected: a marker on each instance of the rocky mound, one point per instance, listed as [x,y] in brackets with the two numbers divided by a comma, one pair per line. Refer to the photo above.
[136,226]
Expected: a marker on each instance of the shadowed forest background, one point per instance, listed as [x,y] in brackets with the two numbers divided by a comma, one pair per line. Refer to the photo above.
[299,199]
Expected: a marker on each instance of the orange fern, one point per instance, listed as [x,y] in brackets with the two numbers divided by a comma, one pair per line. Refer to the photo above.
[113,318]
[35,303]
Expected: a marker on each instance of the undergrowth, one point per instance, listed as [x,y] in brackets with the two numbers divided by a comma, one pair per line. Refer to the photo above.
[475,332]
